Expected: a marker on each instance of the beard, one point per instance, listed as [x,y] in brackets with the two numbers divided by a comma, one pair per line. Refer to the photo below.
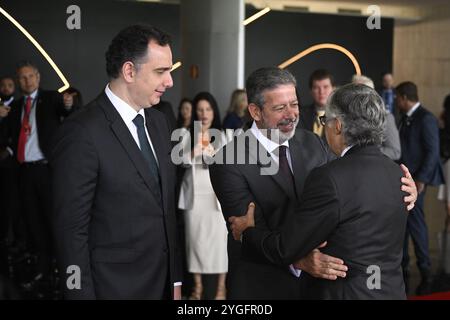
[276,135]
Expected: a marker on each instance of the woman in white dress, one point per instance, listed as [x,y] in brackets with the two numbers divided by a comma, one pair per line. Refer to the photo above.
[206,232]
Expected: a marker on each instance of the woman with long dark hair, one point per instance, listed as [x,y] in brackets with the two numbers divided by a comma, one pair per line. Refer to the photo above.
[184,113]
[206,232]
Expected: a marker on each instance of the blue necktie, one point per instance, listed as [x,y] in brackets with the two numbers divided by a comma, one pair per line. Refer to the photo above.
[149,157]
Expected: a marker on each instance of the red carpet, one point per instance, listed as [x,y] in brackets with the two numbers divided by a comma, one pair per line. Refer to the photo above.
[434,296]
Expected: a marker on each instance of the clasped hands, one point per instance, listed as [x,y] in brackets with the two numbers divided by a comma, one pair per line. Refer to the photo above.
[316,263]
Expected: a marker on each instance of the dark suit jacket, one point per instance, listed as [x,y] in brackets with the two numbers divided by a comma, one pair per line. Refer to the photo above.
[49,110]
[166,108]
[308,115]
[419,138]
[236,185]
[107,220]
[356,205]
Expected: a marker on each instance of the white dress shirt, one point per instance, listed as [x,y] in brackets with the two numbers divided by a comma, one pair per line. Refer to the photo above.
[9,101]
[413,109]
[128,113]
[271,146]
[345,150]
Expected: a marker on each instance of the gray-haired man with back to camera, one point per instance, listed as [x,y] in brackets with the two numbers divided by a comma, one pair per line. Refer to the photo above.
[273,104]
[344,203]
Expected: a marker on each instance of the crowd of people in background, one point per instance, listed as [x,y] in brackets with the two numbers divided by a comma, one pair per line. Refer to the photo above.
[30,116]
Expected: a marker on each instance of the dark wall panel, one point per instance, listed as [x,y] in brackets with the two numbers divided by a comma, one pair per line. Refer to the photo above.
[79,53]
[280,35]
[269,41]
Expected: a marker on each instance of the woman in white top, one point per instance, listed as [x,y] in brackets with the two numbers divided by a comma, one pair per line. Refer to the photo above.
[206,232]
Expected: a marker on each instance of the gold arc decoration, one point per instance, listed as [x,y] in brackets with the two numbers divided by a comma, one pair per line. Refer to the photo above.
[257,15]
[176,66]
[320,47]
[38,46]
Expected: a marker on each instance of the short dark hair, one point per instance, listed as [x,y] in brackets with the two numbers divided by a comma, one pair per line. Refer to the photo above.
[6,77]
[266,79]
[131,44]
[320,74]
[409,90]
[26,63]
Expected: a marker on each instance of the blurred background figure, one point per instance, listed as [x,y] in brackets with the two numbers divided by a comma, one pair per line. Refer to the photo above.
[27,134]
[206,232]
[184,113]
[72,96]
[419,138]
[444,190]
[391,143]
[387,91]
[7,90]
[321,84]
[236,111]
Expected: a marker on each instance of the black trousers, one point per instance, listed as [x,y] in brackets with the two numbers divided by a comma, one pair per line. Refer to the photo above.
[11,223]
[35,200]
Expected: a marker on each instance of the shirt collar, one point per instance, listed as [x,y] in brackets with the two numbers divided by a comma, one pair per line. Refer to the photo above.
[414,108]
[32,95]
[346,150]
[268,144]
[127,113]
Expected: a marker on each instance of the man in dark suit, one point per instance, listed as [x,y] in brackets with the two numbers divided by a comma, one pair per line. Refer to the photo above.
[246,177]
[27,134]
[344,203]
[7,89]
[321,84]
[166,108]
[237,184]
[419,138]
[114,216]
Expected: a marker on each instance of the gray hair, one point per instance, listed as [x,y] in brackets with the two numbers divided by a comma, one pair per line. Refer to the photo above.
[363,80]
[361,111]
[266,79]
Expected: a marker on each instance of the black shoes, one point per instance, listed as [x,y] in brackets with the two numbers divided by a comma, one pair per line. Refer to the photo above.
[425,286]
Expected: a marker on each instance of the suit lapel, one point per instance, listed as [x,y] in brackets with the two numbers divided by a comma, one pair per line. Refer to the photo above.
[299,164]
[39,112]
[161,155]
[125,138]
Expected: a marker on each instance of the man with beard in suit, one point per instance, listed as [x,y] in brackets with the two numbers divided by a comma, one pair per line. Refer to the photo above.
[273,104]
[354,203]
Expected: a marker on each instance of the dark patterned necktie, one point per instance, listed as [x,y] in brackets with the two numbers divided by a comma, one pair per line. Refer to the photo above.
[149,157]
[284,166]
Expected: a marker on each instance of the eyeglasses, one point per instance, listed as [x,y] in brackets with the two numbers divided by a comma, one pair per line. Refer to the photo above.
[324,119]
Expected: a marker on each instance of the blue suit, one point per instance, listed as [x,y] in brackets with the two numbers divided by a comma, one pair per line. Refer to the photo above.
[419,138]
